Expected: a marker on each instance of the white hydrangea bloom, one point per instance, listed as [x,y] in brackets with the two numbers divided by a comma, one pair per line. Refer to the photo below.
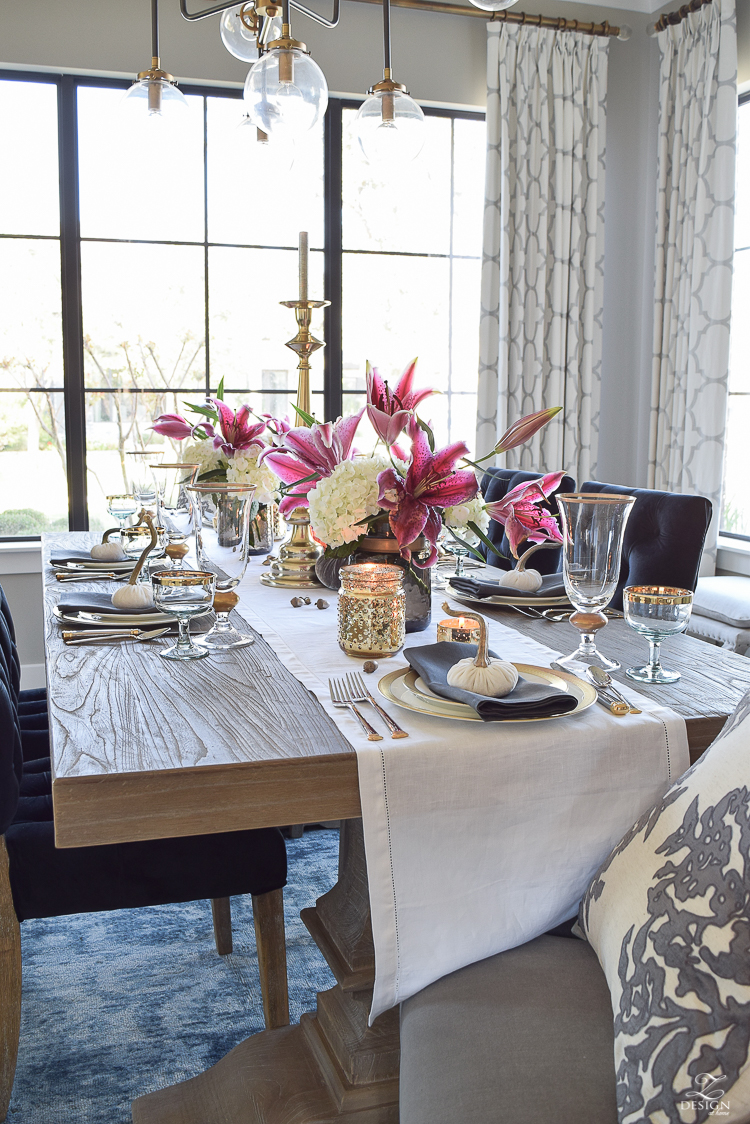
[243,469]
[340,501]
[204,454]
[462,514]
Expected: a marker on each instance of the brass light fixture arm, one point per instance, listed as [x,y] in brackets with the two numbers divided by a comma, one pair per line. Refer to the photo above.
[215,8]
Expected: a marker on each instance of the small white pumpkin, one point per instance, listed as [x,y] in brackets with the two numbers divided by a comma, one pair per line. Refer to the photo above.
[525,581]
[108,552]
[496,680]
[485,674]
[134,596]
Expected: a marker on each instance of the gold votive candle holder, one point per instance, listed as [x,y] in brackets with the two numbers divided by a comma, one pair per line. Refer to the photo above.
[372,610]
[461,630]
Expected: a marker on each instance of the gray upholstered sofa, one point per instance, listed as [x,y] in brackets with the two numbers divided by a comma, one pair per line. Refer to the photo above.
[524,1037]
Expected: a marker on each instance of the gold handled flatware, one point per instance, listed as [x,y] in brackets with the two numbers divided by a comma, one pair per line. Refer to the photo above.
[93,636]
[339,698]
[603,682]
[358,693]
[97,575]
[613,705]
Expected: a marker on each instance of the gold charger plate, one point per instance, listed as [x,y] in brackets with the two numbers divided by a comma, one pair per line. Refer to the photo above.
[400,687]
[520,599]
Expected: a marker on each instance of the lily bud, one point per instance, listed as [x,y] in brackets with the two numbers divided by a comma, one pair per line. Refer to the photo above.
[524,429]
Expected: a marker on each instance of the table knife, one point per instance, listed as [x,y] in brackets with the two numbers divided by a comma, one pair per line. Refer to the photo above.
[136,634]
[614,706]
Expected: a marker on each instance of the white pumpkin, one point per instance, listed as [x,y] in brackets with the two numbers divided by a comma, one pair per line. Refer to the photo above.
[525,581]
[108,552]
[496,680]
[134,596]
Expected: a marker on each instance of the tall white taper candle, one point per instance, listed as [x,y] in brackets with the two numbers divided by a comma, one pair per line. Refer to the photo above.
[303,265]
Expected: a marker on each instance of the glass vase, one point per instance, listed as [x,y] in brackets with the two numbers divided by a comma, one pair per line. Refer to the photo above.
[261,529]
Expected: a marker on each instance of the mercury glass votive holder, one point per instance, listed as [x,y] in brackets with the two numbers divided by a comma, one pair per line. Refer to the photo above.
[372,610]
[459,629]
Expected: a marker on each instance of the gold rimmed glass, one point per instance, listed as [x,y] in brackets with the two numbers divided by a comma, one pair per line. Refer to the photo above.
[222,545]
[140,479]
[134,541]
[122,508]
[593,527]
[175,505]
[183,594]
[655,612]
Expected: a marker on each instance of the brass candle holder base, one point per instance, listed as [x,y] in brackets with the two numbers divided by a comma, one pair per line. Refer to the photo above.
[295,568]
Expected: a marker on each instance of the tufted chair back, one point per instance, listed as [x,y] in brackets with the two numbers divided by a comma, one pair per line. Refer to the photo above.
[664,537]
[496,483]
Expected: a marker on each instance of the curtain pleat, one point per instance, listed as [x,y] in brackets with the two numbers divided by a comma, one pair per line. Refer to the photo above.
[542,269]
[694,252]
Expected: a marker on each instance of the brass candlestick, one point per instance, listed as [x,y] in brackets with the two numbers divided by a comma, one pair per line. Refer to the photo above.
[295,567]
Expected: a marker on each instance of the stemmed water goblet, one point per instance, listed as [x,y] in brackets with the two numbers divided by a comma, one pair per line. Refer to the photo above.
[593,528]
[175,506]
[655,612]
[122,508]
[140,478]
[222,543]
[183,594]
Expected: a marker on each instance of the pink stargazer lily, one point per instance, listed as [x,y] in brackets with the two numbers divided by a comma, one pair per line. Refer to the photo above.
[390,410]
[175,426]
[236,435]
[521,515]
[300,452]
[525,428]
[431,482]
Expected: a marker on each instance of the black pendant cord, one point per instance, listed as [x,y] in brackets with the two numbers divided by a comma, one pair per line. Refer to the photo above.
[387,36]
[285,13]
[155,29]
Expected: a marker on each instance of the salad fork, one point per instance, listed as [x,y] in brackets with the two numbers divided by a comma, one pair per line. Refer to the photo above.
[358,693]
[339,697]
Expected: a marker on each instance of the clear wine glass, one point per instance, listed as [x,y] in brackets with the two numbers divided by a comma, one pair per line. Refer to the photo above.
[593,528]
[140,478]
[122,508]
[175,506]
[656,611]
[222,545]
[134,541]
[183,594]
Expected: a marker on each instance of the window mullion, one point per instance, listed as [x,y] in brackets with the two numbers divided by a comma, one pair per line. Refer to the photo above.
[72,308]
[332,356]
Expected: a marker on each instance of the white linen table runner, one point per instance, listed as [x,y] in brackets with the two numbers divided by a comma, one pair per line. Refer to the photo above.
[478,836]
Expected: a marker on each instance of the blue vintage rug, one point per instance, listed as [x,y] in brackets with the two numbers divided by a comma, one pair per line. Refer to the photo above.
[119,1004]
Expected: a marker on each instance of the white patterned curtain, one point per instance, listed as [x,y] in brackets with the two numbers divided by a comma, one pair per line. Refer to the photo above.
[694,249]
[542,270]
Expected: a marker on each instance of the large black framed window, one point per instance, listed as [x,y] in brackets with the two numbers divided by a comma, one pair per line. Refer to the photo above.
[140,270]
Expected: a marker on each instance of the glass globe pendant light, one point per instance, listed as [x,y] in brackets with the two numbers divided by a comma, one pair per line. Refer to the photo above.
[493,5]
[390,124]
[241,31]
[286,92]
[155,97]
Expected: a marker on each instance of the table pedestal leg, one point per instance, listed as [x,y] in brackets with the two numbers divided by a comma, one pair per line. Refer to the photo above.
[332,1068]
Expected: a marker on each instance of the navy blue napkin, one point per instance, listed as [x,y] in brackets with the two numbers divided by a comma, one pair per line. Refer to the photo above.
[83,602]
[85,556]
[526,700]
[552,586]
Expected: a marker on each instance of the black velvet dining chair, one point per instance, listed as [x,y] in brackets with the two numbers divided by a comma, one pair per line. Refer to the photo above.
[664,537]
[39,880]
[496,483]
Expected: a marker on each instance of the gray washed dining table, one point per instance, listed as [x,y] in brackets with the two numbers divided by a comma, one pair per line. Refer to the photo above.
[143,748]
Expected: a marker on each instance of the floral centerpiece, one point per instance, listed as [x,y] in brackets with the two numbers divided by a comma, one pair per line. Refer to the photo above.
[228,444]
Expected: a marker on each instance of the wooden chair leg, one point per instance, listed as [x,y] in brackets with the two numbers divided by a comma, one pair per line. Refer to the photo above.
[268,915]
[221,909]
[10,984]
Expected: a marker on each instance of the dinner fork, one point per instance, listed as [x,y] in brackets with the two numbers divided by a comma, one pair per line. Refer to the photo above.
[339,697]
[358,693]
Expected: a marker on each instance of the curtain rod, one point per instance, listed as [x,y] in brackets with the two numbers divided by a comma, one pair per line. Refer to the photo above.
[506,16]
[671,17]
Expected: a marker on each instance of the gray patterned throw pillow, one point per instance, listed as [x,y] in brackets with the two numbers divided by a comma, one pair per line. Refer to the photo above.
[668,915]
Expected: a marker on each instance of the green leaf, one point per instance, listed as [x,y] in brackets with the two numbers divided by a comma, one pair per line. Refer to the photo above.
[216,475]
[220,390]
[207,411]
[471,549]
[313,476]
[487,542]
[428,433]
[309,419]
